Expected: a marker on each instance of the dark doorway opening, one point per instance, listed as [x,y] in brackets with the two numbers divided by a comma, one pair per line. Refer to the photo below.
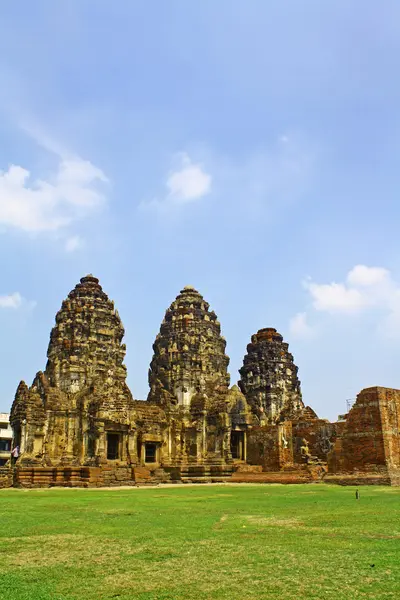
[237,445]
[5,445]
[91,446]
[151,453]
[112,446]
[16,436]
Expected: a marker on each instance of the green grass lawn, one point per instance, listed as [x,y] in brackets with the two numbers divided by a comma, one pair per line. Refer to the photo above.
[191,542]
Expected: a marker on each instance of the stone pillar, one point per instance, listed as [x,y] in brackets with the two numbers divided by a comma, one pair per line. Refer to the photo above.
[132,446]
[23,437]
[204,435]
[143,453]
[226,444]
[68,455]
[102,444]
[123,442]
[169,433]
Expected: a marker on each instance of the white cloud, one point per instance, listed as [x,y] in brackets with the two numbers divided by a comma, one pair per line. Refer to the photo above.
[37,205]
[362,275]
[254,188]
[187,183]
[299,327]
[365,289]
[73,243]
[16,301]
[335,297]
[11,301]
[190,182]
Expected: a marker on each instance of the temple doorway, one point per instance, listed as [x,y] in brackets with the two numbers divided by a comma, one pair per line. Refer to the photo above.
[112,446]
[237,445]
[150,453]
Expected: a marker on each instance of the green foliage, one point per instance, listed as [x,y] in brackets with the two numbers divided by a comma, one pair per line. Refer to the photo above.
[200,542]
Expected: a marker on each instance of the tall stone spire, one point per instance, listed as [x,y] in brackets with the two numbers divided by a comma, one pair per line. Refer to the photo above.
[85,344]
[189,352]
[269,377]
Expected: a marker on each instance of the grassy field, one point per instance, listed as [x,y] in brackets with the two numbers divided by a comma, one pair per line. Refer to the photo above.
[200,542]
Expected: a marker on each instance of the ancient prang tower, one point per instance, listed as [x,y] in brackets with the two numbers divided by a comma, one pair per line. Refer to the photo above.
[86,341]
[64,417]
[189,352]
[269,379]
[79,425]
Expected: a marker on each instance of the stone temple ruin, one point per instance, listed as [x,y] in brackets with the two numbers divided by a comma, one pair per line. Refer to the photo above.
[79,425]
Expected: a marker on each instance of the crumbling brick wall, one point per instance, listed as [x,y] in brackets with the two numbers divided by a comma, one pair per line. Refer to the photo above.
[320,435]
[6,478]
[371,435]
[270,446]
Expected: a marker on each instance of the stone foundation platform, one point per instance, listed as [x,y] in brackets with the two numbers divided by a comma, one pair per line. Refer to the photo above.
[380,476]
[284,477]
[37,477]
[6,477]
[110,476]
[114,476]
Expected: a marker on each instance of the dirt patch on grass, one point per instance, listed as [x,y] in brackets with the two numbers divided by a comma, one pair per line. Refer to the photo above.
[219,523]
[119,512]
[66,549]
[273,521]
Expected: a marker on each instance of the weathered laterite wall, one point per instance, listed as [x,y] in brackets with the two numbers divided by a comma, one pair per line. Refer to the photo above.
[320,435]
[6,478]
[270,446]
[368,447]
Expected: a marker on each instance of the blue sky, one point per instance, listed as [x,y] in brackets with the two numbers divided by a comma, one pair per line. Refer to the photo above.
[250,149]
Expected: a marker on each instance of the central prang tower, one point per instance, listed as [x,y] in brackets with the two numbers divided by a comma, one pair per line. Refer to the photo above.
[189,352]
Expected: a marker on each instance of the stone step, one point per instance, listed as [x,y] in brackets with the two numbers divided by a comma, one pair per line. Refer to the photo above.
[205,479]
[273,477]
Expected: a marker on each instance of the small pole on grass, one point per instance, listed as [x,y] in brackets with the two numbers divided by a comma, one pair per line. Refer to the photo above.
[357,495]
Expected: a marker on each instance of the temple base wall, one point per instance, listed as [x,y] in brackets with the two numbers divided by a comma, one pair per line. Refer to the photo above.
[91,477]
[37,477]
[6,477]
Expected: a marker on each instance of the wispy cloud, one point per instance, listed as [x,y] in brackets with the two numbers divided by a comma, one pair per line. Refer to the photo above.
[364,286]
[365,289]
[300,328]
[37,205]
[11,300]
[190,182]
[276,176]
[270,178]
[73,243]
[15,301]
[31,203]
[187,183]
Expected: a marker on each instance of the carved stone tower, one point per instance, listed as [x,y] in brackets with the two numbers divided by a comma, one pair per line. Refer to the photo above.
[189,352]
[79,411]
[85,344]
[269,378]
